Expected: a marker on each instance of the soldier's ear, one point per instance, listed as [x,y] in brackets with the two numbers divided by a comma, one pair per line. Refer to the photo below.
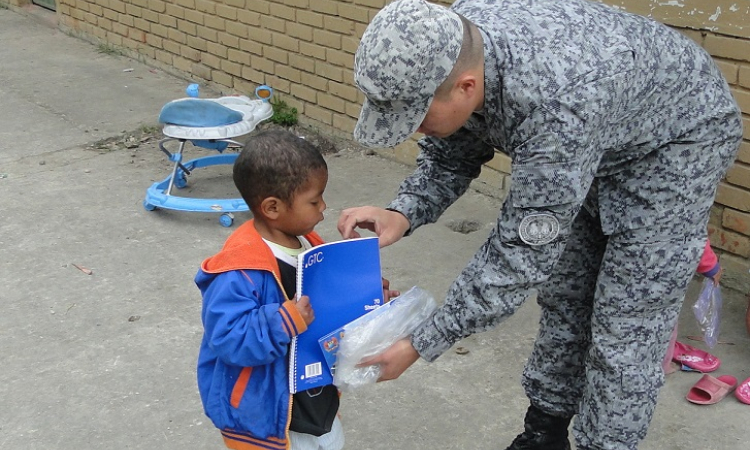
[467,85]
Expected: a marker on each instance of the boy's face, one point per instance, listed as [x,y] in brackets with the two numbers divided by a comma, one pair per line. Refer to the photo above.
[306,209]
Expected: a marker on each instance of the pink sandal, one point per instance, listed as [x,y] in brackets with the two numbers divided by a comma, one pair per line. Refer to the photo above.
[695,358]
[709,390]
[743,392]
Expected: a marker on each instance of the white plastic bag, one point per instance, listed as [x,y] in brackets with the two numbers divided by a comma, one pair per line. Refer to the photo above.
[707,310]
[374,332]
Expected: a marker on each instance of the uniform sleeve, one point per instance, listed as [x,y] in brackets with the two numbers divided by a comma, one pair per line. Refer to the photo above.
[445,169]
[553,166]
[242,330]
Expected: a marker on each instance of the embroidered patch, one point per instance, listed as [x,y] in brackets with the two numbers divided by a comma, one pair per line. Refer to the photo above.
[539,229]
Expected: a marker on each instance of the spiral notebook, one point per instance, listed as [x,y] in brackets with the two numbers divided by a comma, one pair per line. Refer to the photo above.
[343,281]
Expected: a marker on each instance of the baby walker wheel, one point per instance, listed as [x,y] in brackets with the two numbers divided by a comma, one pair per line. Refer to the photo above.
[226,219]
[180,179]
[148,206]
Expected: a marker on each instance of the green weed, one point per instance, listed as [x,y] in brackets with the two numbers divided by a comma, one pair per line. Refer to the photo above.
[282,113]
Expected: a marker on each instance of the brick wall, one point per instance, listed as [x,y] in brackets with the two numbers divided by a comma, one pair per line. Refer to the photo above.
[721,27]
[304,49]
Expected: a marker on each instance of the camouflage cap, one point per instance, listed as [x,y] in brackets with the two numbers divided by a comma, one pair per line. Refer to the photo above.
[406,52]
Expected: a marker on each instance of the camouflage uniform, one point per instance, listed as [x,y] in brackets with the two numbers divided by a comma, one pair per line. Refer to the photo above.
[619,130]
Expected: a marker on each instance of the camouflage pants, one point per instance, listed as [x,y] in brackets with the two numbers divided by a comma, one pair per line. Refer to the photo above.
[608,312]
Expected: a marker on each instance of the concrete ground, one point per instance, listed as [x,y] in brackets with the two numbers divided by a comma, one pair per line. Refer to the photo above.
[107,360]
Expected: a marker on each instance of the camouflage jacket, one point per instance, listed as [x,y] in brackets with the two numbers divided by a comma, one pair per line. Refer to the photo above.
[585,100]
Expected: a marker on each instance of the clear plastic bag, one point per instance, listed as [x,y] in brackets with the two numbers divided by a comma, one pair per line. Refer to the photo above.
[374,332]
[707,311]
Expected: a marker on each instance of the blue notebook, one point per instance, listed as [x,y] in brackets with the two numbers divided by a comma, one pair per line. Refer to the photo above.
[343,281]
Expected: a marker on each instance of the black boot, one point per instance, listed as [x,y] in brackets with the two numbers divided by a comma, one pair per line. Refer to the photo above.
[542,432]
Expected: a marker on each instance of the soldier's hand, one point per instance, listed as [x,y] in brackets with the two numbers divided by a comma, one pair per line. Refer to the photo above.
[394,361]
[390,226]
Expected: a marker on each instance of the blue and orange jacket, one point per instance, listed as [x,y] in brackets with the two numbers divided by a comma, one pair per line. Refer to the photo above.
[248,324]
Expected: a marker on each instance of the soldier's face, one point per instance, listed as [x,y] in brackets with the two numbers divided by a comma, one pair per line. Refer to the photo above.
[445,117]
[450,111]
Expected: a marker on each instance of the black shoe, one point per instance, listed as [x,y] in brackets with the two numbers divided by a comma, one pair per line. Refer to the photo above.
[542,432]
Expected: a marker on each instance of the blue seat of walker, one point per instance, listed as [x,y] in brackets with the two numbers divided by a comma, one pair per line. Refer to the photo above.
[198,113]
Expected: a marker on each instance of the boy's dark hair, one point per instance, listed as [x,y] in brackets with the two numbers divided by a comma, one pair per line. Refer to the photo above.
[274,163]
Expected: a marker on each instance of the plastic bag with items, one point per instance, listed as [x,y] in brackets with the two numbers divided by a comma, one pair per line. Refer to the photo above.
[374,332]
[707,311]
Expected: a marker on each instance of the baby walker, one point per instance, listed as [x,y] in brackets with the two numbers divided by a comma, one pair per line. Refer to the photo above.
[211,124]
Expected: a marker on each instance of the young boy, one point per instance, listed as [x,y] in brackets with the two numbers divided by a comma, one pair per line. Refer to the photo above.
[249,309]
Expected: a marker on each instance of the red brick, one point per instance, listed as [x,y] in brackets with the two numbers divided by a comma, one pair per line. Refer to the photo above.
[729,241]
[735,220]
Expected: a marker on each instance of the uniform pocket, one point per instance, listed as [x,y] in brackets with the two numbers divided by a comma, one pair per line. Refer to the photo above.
[545,185]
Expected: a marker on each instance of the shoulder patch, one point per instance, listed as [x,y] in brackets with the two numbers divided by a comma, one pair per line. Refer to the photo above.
[538,229]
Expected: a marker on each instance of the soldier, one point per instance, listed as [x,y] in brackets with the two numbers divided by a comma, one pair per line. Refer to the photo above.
[618,129]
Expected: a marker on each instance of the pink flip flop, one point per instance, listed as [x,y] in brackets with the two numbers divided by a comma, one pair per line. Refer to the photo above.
[695,358]
[709,390]
[743,392]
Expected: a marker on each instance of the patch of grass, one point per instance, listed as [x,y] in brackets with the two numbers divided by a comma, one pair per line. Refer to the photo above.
[282,113]
[150,129]
[109,49]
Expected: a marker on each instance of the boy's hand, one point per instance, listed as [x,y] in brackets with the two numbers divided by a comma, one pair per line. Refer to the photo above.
[388,294]
[305,309]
